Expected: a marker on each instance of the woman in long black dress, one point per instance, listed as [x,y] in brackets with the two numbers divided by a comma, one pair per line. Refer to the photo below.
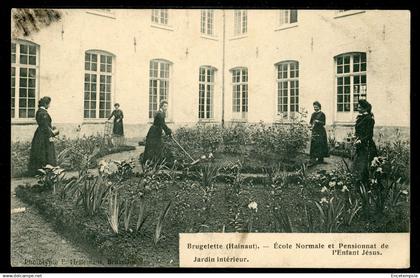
[42,147]
[319,143]
[154,141]
[118,128]
[364,144]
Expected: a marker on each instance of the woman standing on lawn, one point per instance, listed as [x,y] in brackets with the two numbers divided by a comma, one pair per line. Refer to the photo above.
[154,141]
[319,143]
[364,144]
[42,148]
[118,128]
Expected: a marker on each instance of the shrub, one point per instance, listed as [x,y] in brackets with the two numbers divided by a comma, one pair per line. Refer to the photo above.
[20,158]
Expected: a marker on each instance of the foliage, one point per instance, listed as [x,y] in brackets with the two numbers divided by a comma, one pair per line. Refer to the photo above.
[128,210]
[285,140]
[113,213]
[28,21]
[142,214]
[160,222]
[236,138]
[283,221]
[20,158]
[92,193]
[282,140]
[330,213]
[72,154]
[50,177]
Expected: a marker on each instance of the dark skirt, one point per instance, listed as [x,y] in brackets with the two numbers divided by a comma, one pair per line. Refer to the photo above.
[154,145]
[42,153]
[362,159]
[118,128]
[319,144]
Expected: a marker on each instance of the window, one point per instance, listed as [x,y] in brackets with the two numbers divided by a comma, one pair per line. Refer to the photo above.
[206,89]
[240,93]
[241,22]
[98,84]
[207,19]
[344,13]
[351,80]
[160,16]
[158,84]
[24,78]
[287,17]
[287,88]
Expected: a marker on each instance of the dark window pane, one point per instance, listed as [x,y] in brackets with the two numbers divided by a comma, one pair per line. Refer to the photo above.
[31,93]
[346,59]
[31,103]
[22,113]
[32,50]
[356,67]
[23,82]
[32,60]
[346,68]
[23,49]
[293,16]
[23,59]
[22,102]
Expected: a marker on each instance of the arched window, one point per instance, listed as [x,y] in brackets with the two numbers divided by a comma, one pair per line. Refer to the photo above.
[287,88]
[24,79]
[351,80]
[240,93]
[206,92]
[98,84]
[158,84]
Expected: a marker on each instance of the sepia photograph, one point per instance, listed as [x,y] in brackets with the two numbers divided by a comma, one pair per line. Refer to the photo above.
[171,138]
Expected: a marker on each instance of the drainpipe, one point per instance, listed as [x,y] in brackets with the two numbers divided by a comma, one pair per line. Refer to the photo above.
[223,69]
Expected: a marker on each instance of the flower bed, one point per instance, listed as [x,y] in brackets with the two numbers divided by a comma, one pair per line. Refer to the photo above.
[256,146]
[138,219]
[20,153]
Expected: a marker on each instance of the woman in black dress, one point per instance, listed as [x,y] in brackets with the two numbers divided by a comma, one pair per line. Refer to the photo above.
[364,144]
[42,147]
[319,143]
[154,141]
[118,128]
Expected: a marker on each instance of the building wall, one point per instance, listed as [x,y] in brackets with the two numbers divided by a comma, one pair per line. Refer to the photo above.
[134,40]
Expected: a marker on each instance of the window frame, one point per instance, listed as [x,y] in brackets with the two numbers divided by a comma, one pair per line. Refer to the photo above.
[16,119]
[347,116]
[205,20]
[240,20]
[206,83]
[286,25]
[109,13]
[344,13]
[98,74]
[158,24]
[151,114]
[279,115]
[241,115]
